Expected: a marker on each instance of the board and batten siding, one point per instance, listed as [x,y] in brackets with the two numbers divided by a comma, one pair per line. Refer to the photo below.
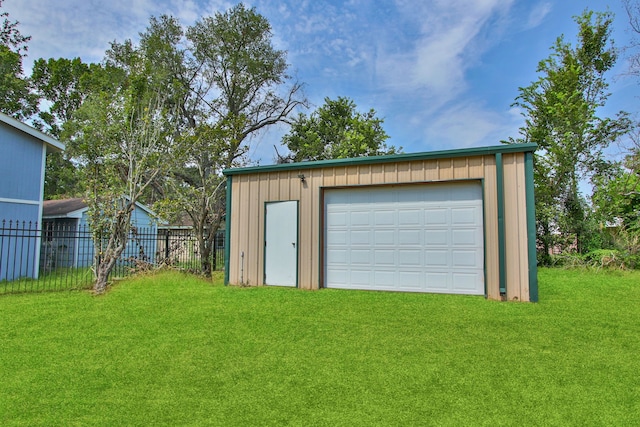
[250,189]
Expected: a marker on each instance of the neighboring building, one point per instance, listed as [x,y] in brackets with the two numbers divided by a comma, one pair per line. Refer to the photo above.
[22,163]
[454,221]
[67,240]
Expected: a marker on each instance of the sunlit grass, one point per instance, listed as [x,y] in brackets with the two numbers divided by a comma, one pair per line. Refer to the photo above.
[173,349]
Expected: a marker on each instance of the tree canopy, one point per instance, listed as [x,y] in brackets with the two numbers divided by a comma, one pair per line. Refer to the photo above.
[337,130]
[561,115]
[16,98]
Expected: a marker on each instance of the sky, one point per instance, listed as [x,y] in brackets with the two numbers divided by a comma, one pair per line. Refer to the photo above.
[443,74]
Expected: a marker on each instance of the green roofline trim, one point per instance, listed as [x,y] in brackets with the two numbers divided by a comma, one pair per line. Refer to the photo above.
[461,152]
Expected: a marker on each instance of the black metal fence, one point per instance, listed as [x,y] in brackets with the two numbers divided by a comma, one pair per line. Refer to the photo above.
[60,254]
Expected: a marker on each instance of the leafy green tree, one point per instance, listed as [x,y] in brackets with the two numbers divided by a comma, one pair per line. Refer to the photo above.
[16,98]
[616,197]
[124,138]
[228,82]
[561,112]
[336,130]
[63,84]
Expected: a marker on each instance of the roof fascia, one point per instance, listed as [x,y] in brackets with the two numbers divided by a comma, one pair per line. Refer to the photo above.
[464,152]
[17,124]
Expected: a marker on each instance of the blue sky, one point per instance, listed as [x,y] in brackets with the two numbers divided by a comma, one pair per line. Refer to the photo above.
[442,73]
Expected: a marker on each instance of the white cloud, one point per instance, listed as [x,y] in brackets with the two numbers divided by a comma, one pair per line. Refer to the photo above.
[537,15]
[85,28]
[468,125]
[445,46]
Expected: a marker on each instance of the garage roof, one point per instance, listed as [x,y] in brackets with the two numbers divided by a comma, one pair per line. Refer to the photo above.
[462,152]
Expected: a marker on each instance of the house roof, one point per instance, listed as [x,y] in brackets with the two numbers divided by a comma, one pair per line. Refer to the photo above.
[52,143]
[71,208]
[60,208]
[460,152]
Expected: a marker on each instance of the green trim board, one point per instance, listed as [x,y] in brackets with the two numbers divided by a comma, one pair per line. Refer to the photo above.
[531,226]
[463,152]
[502,262]
[227,231]
[484,238]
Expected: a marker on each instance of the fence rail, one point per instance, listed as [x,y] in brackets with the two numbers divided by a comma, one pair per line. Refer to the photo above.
[60,255]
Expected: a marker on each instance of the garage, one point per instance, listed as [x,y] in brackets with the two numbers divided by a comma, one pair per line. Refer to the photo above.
[419,238]
[458,221]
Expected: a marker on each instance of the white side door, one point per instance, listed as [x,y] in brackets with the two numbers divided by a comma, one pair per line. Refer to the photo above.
[281,243]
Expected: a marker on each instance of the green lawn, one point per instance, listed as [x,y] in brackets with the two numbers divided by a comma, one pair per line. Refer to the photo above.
[174,350]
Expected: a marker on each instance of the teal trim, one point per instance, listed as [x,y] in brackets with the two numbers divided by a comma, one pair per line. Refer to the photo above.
[465,152]
[502,249]
[321,225]
[531,227]
[227,231]
[264,243]
[484,240]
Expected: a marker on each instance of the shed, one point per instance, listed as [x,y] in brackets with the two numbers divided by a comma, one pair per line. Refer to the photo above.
[22,166]
[456,221]
[67,240]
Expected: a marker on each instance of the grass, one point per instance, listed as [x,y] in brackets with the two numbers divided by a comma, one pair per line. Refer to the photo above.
[56,280]
[171,349]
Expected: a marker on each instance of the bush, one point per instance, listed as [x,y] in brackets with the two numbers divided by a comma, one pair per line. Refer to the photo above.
[567,260]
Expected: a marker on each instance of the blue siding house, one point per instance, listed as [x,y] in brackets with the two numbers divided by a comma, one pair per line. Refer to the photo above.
[22,162]
[67,240]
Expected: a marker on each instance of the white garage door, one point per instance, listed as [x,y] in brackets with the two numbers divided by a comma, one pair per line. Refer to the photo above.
[420,238]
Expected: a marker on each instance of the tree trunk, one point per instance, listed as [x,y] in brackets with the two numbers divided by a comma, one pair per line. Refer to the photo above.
[103,270]
[205,257]
[107,256]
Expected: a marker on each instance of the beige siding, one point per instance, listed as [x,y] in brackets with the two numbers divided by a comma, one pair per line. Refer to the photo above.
[250,192]
[491,248]
[517,270]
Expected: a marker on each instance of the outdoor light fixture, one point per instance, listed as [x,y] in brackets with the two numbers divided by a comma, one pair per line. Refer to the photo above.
[301,176]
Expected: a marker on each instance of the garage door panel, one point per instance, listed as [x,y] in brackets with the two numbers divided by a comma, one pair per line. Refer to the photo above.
[337,219]
[436,258]
[338,277]
[464,216]
[409,236]
[411,280]
[337,256]
[410,258]
[426,238]
[437,281]
[384,237]
[361,257]
[337,237]
[384,218]
[384,280]
[360,218]
[465,237]
[384,257]
[409,217]
[360,278]
[436,216]
[463,282]
[359,237]
[436,237]
[464,258]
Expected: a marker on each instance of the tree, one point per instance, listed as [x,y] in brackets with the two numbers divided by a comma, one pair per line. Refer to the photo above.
[561,112]
[63,84]
[632,8]
[123,136]
[616,197]
[228,82]
[336,130]
[15,96]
